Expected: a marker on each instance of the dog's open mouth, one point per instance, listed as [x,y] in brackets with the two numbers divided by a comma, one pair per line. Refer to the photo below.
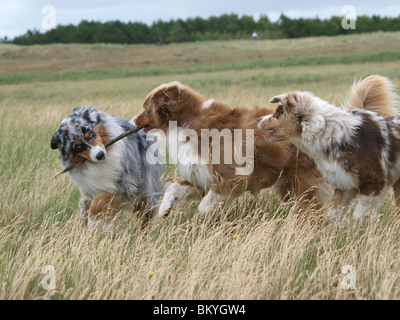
[147,128]
[269,135]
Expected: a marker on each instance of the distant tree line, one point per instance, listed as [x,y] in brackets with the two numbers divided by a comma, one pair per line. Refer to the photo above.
[227,26]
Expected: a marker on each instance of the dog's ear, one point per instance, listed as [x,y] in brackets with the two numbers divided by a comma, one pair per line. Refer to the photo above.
[167,96]
[276,99]
[55,141]
[291,102]
[279,98]
[282,99]
[288,101]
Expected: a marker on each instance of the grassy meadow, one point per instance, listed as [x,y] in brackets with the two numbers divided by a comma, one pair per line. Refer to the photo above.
[253,248]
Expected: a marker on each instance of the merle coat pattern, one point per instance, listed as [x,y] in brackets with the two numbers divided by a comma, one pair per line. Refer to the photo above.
[119,175]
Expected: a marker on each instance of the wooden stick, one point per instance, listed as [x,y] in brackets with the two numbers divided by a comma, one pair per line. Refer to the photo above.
[78,163]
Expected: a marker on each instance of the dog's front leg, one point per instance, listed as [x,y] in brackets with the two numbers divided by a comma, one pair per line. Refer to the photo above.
[211,200]
[366,210]
[175,193]
[84,205]
[102,213]
[342,203]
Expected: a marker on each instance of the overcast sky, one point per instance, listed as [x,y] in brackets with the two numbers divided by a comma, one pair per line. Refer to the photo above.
[17,16]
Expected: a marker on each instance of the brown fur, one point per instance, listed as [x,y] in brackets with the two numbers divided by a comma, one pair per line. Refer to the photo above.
[288,126]
[107,205]
[360,158]
[101,138]
[396,189]
[279,164]
[395,143]
[361,161]
[374,93]
[363,156]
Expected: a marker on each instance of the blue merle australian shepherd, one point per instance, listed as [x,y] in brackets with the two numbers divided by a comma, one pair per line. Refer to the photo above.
[112,179]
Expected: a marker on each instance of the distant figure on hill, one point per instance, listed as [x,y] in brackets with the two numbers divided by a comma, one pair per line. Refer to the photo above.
[255,35]
[159,41]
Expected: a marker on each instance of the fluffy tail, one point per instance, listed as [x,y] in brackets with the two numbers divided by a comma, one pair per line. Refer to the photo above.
[374,93]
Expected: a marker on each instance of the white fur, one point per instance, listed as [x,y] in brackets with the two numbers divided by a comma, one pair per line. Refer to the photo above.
[207,104]
[174,194]
[334,173]
[94,151]
[191,168]
[196,173]
[367,207]
[99,177]
[190,165]
[96,178]
[264,118]
[326,126]
[209,201]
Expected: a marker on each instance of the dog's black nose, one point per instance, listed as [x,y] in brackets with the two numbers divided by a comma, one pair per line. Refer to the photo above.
[101,155]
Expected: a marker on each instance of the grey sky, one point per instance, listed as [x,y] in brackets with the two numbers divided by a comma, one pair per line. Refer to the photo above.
[17,16]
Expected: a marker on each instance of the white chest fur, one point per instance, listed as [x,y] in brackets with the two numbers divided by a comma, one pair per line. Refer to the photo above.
[191,168]
[185,155]
[334,174]
[320,136]
[97,178]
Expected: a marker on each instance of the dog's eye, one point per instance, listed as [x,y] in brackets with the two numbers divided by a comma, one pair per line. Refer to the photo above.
[76,148]
[91,135]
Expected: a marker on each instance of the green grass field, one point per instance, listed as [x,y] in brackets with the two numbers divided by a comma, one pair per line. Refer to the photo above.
[252,249]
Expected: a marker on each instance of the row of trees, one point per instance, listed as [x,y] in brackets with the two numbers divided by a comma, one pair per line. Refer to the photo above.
[198,29]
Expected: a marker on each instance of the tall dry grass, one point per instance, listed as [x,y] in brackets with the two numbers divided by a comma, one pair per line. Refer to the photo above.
[254,248]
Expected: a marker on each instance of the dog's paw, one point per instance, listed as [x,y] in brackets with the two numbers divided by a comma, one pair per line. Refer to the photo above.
[166,205]
[175,192]
[210,202]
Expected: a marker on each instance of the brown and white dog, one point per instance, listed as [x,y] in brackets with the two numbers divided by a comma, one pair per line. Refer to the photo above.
[280,164]
[357,150]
